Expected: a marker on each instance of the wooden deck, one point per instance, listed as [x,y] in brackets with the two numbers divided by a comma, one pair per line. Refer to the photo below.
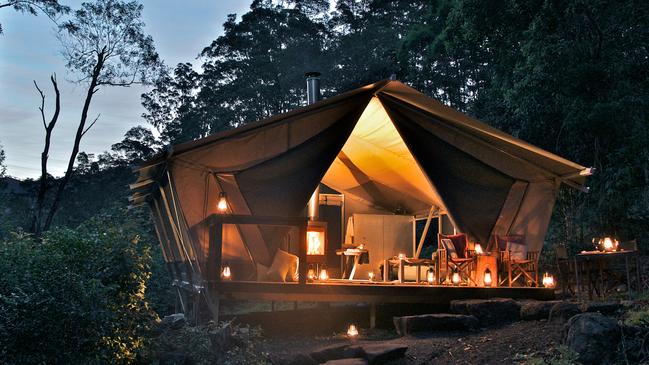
[362,291]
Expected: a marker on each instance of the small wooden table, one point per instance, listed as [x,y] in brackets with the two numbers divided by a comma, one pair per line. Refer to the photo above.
[591,263]
[484,262]
[402,263]
[356,253]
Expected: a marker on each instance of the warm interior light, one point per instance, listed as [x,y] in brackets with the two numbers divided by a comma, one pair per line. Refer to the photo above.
[226,273]
[315,244]
[478,249]
[402,256]
[430,276]
[323,275]
[352,331]
[456,278]
[487,277]
[548,280]
[310,274]
[222,204]
[371,275]
[361,246]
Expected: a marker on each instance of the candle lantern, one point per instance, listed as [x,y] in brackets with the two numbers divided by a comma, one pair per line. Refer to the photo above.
[455,278]
[430,276]
[608,244]
[371,275]
[323,275]
[487,280]
[548,280]
[310,275]
[222,204]
[352,332]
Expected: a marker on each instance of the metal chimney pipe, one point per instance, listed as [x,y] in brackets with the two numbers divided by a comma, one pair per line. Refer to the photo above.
[313,96]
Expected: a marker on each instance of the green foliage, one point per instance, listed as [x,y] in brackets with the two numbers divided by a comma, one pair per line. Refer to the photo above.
[51,8]
[78,296]
[564,356]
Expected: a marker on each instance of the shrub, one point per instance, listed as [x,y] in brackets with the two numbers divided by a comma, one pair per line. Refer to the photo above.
[76,296]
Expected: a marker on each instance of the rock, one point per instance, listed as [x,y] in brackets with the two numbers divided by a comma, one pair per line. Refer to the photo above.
[174,358]
[380,353]
[303,359]
[434,322]
[488,311]
[533,310]
[336,352]
[593,336]
[173,321]
[352,361]
[563,311]
[601,307]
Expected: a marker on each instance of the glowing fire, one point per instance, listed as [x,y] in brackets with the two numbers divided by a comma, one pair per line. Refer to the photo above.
[314,243]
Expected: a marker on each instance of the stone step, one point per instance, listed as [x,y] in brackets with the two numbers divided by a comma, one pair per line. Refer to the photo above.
[434,322]
[489,311]
[370,352]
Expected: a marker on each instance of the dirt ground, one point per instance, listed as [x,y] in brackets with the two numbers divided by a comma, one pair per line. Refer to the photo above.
[513,343]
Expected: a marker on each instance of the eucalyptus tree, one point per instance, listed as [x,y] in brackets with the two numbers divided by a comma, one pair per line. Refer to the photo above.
[104,45]
[51,8]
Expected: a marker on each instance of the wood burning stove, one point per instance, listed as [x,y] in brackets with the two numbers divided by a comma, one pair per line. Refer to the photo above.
[316,240]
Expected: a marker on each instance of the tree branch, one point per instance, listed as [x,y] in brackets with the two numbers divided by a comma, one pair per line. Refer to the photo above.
[90,126]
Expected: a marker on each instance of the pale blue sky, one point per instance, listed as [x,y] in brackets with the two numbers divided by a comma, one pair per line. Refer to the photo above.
[29,51]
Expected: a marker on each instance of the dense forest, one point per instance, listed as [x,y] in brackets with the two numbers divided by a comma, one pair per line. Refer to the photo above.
[568,76]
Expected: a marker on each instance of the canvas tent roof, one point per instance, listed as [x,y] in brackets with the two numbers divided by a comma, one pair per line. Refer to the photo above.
[385,144]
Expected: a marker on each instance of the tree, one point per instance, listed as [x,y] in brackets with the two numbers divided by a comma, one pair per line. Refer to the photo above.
[104,45]
[3,167]
[51,8]
[138,145]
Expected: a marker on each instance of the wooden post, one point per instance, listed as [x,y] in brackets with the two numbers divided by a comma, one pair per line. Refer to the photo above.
[214,252]
[303,266]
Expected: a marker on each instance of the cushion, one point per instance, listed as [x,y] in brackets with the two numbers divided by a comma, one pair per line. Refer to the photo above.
[517,251]
[262,272]
[459,242]
[281,266]
[450,248]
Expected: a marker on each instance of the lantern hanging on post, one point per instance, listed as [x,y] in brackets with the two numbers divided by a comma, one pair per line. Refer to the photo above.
[222,204]
[430,276]
[226,274]
[548,281]
[487,280]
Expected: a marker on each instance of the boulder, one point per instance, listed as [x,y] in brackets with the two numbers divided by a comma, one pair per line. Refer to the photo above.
[605,308]
[302,359]
[488,311]
[534,310]
[336,352]
[380,353]
[563,311]
[352,361]
[174,358]
[434,322]
[173,321]
[593,336]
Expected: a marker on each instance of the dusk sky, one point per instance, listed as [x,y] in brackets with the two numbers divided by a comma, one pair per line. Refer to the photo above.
[29,50]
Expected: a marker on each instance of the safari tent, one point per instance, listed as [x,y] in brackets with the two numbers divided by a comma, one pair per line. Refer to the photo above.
[384,149]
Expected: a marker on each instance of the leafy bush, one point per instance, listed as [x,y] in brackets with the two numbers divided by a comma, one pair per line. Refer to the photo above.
[76,296]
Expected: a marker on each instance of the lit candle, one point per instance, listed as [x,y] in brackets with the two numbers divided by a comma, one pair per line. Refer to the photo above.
[487,277]
[371,275]
[548,280]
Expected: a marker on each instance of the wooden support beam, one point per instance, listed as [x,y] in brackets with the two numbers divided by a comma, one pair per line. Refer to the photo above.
[423,235]
[214,252]
[302,266]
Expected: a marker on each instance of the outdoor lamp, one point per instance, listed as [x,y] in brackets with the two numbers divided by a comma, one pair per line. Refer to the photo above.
[548,280]
[430,276]
[226,274]
[478,249]
[487,278]
[456,279]
[222,204]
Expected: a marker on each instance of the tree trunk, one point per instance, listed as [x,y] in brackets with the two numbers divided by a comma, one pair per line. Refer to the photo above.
[42,189]
[81,130]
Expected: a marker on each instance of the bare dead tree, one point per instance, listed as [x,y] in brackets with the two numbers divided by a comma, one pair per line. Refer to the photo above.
[105,45]
[49,127]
